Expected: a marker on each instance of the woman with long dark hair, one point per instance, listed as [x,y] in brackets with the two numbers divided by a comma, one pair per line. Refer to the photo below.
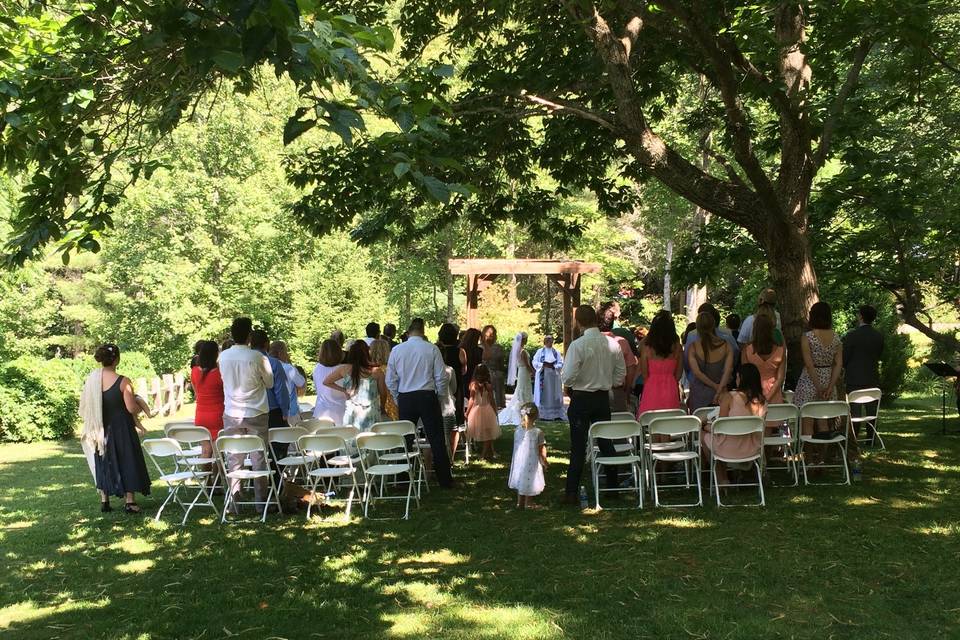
[364,386]
[447,343]
[208,386]
[746,400]
[661,364]
[711,363]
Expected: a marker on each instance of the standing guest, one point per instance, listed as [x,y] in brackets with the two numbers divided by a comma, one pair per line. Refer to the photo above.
[660,365]
[415,379]
[746,400]
[721,333]
[330,403]
[768,297]
[687,331]
[493,358]
[618,328]
[450,352]
[448,408]
[109,408]
[247,376]
[529,458]
[341,340]
[373,332]
[482,425]
[278,395]
[862,351]
[208,386]
[226,345]
[380,355]
[768,357]
[296,381]
[390,334]
[822,362]
[196,354]
[363,385]
[711,363]
[519,373]
[733,324]
[547,383]
[594,365]
[619,396]
[471,354]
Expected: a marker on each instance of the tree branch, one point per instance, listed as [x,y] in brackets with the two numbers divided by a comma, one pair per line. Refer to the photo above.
[562,106]
[839,101]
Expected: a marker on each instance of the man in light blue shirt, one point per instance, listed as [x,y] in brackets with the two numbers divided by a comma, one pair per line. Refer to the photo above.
[278,396]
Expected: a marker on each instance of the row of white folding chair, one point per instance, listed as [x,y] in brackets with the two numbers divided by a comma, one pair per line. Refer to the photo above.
[330,460]
[413,454]
[389,456]
[191,439]
[651,445]
[246,446]
[868,403]
[687,431]
[826,410]
[738,426]
[787,418]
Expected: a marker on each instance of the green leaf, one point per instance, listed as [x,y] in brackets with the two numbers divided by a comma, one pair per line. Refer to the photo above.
[438,189]
[228,60]
[296,128]
[401,168]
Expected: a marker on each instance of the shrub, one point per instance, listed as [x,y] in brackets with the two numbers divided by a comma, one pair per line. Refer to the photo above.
[39,399]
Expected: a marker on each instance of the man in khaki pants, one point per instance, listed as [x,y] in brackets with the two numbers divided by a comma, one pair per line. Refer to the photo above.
[246,377]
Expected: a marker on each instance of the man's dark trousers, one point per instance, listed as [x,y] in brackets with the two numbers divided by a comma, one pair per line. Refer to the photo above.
[424,405]
[587,407]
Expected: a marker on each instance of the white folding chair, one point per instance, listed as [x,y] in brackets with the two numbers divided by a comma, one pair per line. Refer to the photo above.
[374,445]
[406,429]
[741,426]
[867,402]
[169,451]
[191,438]
[321,448]
[706,414]
[649,446]
[827,410]
[306,409]
[245,445]
[787,418]
[615,430]
[312,425]
[295,461]
[620,416]
[176,423]
[688,428]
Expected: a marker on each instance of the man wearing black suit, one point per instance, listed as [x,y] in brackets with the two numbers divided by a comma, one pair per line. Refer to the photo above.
[862,351]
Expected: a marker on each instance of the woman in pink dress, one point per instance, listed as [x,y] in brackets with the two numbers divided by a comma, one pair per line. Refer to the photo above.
[746,400]
[768,357]
[661,364]
[482,423]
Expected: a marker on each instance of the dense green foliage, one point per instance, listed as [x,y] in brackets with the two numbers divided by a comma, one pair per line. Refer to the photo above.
[38,399]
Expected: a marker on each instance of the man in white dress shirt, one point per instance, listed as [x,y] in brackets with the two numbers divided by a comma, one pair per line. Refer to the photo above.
[246,377]
[415,378]
[594,364]
[373,332]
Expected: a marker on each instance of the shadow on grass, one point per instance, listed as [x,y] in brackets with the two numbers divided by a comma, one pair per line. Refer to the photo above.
[818,561]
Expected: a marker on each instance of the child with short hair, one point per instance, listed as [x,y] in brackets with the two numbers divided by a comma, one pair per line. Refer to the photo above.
[482,423]
[529,457]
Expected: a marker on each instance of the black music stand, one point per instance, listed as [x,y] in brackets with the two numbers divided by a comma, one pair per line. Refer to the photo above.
[943,371]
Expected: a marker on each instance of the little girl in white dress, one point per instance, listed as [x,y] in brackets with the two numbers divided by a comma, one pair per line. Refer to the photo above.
[529,457]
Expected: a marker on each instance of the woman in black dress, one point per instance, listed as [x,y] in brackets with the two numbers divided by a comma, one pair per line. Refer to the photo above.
[119,464]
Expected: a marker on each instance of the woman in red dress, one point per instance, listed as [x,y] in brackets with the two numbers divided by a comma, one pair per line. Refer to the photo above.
[208,386]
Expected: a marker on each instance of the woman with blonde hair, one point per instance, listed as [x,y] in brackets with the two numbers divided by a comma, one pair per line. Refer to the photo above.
[379,355]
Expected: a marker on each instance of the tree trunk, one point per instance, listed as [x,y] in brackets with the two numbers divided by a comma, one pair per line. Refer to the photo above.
[451,312]
[667,293]
[795,281]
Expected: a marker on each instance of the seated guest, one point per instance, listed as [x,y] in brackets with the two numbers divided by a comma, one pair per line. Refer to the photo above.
[208,386]
[373,332]
[746,400]
[330,403]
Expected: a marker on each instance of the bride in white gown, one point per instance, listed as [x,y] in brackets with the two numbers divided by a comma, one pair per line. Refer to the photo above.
[519,372]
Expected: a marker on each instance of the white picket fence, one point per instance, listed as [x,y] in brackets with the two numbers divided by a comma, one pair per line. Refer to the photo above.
[164,394]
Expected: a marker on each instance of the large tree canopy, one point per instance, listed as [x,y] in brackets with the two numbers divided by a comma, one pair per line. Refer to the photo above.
[488,110]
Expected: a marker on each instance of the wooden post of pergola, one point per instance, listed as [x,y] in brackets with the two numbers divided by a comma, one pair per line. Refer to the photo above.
[565,273]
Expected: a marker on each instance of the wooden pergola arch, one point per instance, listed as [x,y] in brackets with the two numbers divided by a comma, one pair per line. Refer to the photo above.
[565,273]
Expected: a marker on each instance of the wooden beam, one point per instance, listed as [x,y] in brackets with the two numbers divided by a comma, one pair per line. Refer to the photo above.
[463,266]
[473,301]
[567,312]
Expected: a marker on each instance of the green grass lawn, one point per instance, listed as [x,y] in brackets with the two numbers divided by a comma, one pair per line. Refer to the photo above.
[875,560]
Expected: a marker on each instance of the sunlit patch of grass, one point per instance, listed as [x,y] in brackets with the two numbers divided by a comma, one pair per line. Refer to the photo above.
[133,546]
[951,529]
[862,501]
[683,522]
[28,610]
[135,566]
[19,524]
[801,499]
[440,556]
[517,623]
